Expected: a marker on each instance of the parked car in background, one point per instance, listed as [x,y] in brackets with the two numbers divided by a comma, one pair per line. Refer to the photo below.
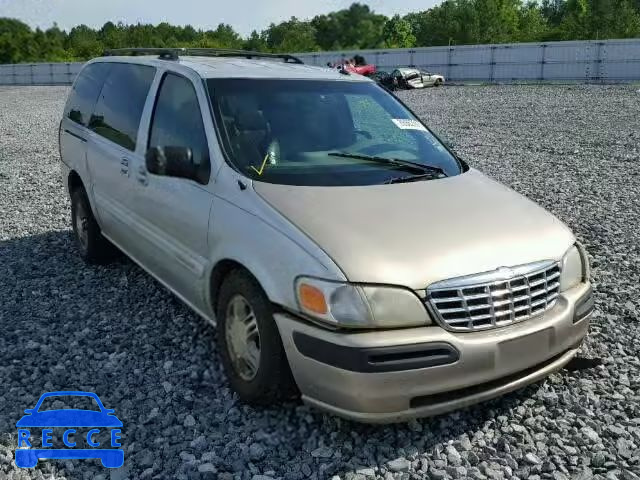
[383,78]
[409,79]
[357,64]
[365,70]
[342,250]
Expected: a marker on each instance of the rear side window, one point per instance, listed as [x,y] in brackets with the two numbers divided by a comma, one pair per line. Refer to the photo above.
[177,122]
[119,108]
[85,92]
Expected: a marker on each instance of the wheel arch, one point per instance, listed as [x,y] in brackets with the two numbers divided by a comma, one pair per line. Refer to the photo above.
[220,271]
[74,182]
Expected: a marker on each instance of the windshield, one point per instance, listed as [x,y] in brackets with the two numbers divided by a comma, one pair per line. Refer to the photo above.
[308,132]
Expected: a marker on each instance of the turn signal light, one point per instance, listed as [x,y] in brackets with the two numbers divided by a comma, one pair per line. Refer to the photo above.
[312,299]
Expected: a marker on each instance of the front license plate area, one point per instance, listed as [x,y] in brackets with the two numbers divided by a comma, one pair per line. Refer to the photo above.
[527,351]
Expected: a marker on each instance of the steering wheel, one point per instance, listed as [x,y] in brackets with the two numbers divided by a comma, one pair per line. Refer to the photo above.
[386,147]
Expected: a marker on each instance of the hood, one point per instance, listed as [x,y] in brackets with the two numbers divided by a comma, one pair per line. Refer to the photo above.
[414,234]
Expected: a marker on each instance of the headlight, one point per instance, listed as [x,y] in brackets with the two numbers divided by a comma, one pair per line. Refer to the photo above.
[575,268]
[359,306]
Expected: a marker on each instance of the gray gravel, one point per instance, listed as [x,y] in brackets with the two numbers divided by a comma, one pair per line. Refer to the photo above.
[115,331]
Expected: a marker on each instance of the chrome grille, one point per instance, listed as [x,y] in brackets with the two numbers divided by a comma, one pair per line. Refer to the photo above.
[495,299]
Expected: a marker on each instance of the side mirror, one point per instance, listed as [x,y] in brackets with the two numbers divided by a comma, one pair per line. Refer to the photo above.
[171,162]
[29,411]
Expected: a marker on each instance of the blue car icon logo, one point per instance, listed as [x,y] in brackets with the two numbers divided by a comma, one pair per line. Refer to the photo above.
[74,421]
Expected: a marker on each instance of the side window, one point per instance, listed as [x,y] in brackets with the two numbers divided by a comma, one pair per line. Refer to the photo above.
[119,108]
[177,122]
[85,91]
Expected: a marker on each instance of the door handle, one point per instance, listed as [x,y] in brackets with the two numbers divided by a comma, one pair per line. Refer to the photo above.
[141,176]
[124,167]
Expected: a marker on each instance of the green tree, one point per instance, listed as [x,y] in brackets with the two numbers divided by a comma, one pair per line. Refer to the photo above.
[532,24]
[17,42]
[291,36]
[256,42]
[398,33]
[83,43]
[222,37]
[355,27]
[455,22]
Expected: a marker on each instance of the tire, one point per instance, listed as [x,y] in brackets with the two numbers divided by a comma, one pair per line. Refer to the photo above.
[93,247]
[437,83]
[272,380]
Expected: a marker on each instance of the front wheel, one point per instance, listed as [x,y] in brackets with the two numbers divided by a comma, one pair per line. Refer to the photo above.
[249,342]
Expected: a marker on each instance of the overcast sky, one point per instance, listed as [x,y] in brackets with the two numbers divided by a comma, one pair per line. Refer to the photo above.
[243,15]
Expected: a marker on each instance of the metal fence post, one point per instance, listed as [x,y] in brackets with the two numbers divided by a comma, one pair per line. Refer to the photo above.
[587,62]
[492,63]
[599,61]
[543,56]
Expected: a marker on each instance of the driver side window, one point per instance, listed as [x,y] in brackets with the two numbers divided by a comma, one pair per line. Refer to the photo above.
[177,122]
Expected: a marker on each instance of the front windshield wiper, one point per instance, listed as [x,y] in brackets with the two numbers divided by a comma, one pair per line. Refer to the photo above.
[414,178]
[429,170]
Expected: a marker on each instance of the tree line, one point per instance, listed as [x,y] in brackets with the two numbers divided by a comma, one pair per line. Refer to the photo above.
[453,22]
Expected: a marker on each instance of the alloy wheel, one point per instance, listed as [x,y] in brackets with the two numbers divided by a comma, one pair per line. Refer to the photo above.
[243,337]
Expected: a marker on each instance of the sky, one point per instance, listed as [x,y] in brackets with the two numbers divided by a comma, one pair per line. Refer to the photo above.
[243,15]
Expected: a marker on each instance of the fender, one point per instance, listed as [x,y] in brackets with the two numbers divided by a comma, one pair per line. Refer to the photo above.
[243,228]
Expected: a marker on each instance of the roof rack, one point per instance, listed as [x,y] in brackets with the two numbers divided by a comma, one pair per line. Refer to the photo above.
[176,53]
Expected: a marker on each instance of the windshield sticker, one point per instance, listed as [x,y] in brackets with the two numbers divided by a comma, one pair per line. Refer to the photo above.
[408,124]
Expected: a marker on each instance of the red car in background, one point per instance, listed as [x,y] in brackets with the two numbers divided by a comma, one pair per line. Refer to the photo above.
[356,64]
[365,70]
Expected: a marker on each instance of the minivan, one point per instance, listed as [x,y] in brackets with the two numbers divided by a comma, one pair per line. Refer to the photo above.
[344,252]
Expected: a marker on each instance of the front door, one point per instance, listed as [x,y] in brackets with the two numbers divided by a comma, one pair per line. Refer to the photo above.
[173,213]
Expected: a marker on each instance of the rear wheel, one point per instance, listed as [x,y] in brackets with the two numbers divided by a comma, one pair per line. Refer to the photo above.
[249,342]
[94,248]
[438,82]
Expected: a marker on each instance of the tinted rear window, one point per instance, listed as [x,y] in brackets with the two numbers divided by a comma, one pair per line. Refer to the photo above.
[119,108]
[85,92]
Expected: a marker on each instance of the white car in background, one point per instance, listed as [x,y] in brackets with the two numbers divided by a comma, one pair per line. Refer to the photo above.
[411,78]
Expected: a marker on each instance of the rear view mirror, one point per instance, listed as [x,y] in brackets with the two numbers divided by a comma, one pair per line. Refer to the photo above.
[171,162]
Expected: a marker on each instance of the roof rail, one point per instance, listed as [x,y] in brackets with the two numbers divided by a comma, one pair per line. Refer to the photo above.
[176,53]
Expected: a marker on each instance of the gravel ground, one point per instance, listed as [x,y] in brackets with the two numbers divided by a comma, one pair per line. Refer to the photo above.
[115,331]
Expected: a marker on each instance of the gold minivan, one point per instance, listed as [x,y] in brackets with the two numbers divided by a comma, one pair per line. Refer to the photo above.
[343,251]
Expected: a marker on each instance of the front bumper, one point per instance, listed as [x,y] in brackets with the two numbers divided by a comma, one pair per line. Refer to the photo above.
[378,377]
